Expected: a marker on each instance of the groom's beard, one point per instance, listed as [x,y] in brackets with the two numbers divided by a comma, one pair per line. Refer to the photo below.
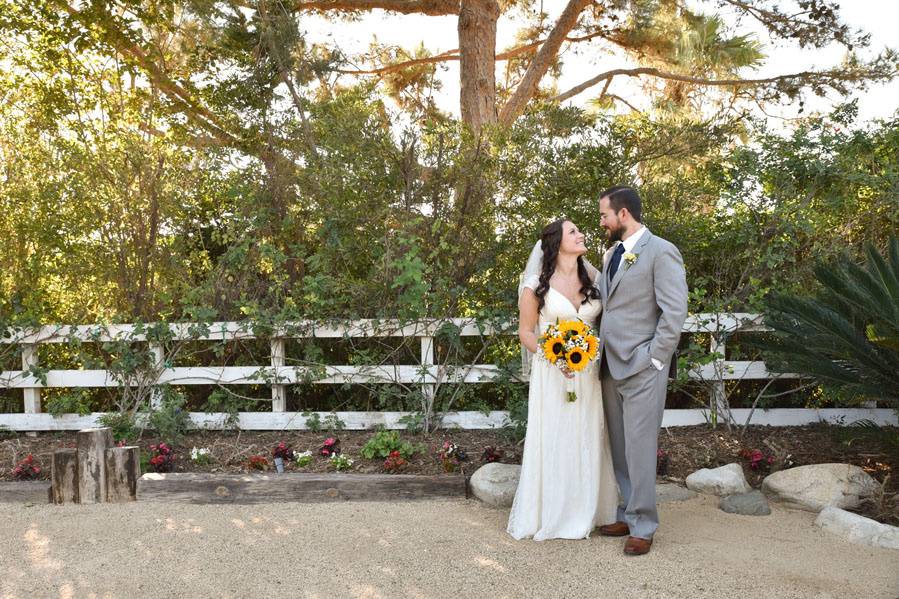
[615,235]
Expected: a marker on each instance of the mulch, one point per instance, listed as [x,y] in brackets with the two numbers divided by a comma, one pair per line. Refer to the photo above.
[684,450]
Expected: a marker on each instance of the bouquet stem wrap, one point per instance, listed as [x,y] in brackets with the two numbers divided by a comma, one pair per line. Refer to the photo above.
[570,388]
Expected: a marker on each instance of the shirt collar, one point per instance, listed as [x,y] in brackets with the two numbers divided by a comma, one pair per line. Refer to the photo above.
[631,241]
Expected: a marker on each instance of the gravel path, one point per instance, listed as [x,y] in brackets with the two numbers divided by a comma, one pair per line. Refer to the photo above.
[438,548]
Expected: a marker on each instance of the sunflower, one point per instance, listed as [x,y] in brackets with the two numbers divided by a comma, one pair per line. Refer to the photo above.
[577,359]
[592,346]
[553,347]
[574,326]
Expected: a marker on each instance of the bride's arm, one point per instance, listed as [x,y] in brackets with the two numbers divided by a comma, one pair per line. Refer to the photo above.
[528,309]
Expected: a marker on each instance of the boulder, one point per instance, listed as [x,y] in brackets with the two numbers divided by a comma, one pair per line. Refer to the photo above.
[726,480]
[495,484]
[858,529]
[753,503]
[817,486]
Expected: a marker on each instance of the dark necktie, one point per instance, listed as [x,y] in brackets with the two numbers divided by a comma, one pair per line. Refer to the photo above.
[615,261]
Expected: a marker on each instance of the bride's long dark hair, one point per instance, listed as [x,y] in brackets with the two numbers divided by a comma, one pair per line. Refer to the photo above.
[550,242]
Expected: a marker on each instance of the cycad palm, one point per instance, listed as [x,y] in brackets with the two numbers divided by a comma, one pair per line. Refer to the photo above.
[847,336]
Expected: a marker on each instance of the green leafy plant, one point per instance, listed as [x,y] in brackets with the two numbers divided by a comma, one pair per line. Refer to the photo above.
[414,422]
[847,335]
[303,459]
[332,422]
[121,424]
[340,462]
[171,421]
[76,401]
[313,421]
[382,443]
[223,401]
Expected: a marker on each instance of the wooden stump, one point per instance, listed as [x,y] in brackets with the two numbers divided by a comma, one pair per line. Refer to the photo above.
[92,445]
[64,476]
[122,472]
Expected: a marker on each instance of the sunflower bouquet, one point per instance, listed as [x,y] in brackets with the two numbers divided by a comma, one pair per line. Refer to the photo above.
[570,345]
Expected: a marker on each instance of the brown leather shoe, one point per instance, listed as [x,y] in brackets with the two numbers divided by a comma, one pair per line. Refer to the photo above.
[637,546]
[619,529]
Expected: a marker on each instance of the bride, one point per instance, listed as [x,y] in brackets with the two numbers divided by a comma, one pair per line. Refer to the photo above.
[567,485]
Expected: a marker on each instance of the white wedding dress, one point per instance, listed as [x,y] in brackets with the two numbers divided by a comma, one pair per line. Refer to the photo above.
[567,485]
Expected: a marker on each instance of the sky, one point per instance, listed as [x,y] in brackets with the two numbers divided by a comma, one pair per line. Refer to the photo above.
[438,34]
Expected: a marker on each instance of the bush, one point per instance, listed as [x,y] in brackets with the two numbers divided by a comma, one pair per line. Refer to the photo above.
[847,335]
[121,424]
[170,421]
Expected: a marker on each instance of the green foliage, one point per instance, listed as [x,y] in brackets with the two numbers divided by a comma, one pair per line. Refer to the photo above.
[847,334]
[171,420]
[220,400]
[333,423]
[414,422]
[264,204]
[121,424]
[517,426]
[77,401]
[383,442]
[313,421]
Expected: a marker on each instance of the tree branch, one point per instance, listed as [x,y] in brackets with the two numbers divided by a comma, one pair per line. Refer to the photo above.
[177,93]
[654,72]
[454,55]
[542,61]
[425,7]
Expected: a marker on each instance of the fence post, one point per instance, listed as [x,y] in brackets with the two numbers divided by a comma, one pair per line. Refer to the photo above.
[718,399]
[32,394]
[279,392]
[158,352]
[427,360]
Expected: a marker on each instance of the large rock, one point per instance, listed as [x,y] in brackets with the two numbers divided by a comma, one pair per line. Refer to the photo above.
[726,480]
[858,529]
[495,484]
[752,503]
[818,486]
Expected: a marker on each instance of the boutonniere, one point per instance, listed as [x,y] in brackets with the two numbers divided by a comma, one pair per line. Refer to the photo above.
[630,258]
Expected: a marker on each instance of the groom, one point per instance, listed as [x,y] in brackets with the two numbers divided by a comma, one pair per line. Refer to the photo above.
[644,296]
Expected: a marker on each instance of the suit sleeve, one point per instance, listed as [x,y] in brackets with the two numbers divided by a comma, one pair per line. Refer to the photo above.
[670,283]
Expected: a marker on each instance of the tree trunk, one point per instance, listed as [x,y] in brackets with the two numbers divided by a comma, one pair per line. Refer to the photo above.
[122,472]
[64,476]
[477,70]
[92,444]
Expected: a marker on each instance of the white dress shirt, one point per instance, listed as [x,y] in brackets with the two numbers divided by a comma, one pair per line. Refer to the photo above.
[629,244]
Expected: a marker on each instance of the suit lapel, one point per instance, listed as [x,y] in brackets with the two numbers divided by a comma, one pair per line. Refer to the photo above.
[623,268]
[604,276]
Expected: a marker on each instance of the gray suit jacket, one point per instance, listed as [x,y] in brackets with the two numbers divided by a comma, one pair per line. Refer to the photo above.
[644,307]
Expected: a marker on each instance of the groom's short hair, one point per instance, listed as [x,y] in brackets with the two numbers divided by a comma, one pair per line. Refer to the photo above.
[622,196]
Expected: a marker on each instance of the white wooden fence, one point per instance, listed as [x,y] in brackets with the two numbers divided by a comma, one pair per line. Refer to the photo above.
[427,373]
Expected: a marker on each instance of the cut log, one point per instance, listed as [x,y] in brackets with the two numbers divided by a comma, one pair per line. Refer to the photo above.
[64,476]
[295,487]
[92,445]
[26,491]
[122,472]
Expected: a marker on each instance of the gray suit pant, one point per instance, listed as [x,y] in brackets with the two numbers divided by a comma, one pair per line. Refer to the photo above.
[634,408]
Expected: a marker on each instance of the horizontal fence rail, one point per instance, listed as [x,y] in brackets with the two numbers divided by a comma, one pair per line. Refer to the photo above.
[32,378]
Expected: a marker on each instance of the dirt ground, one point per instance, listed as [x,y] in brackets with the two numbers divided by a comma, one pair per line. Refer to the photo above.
[422,549]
